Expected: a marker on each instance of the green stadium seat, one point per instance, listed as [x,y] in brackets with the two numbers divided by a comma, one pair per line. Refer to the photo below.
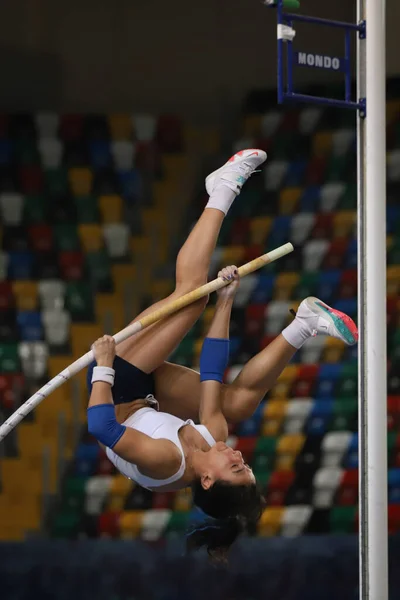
[87,209]
[26,152]
[349,199]
[66,524]
[184,354]
[336,168]
[307,285]
[66,237]
[74,493]
[348,383]
[79,300]
[343,519]
[344,414]
[99,267]
[9,358]
[57,181]
[394,253]
[35,209]
[178,523]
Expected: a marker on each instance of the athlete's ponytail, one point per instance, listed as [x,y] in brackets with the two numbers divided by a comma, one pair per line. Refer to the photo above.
[234,508]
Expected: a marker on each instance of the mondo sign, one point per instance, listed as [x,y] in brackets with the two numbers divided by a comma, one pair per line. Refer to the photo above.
[319,61]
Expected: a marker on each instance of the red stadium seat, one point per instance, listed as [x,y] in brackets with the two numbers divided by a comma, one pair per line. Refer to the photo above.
[11,390]
[104,466]
[278,485]
[347,494]
[336,253]
[316,171]
[394,518]
[169,133]
[240,232]
[6,295]
[72,265]
[252,252]
[393,412]
[162,500]
[348,284]
[108,524]
[322,227]
[31,179]
[246,446]
[71,127]
[41,238]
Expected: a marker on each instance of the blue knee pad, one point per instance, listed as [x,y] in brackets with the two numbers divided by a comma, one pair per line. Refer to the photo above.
[103,425]
[214,359]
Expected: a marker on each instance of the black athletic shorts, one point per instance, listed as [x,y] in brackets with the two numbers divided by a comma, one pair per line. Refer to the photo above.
[130,382]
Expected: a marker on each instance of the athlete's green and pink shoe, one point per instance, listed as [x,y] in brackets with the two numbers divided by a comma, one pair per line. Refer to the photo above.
[325,320]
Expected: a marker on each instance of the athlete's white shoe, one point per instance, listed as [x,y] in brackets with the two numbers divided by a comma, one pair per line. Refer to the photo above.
[322,319]
[236,171]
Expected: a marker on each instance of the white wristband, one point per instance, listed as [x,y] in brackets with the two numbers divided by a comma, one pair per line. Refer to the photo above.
[106,374]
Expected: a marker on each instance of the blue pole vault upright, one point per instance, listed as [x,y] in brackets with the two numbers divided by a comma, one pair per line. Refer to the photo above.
[370,108]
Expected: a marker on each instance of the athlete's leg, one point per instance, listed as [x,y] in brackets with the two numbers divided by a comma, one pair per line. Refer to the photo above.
[178,388]
[150,348]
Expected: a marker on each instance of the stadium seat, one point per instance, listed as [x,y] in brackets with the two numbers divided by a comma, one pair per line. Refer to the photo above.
[47,124]
[11,206]
[87,209]
[80,180]
[79,300]
[33,357]
[91,237]
[56,326]
[41,238]
[26,295]
[50,150]
[111,208]
[326,482]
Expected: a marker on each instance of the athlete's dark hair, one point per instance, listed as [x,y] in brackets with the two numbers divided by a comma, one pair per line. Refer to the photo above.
[234,509]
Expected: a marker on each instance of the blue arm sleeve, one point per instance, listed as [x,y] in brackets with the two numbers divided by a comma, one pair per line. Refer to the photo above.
[214,359]
[103,425]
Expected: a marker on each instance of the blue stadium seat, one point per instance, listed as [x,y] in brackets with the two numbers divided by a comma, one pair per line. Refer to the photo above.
[295,173]
[392,216]
[347,305]
[328,284]
[86,458]
[5,152]
[131,184]
[320,417]
[20,265]
[351,458]
[263,290]
[30,325]
[251,427]
[351,260]
[394,486]
[310,199]
[280,231]
[100,154]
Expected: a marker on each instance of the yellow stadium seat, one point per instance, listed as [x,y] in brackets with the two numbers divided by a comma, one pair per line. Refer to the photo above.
[109,310]
[289,373]
[161,288]
[26,294]
[80,180]
[83,336]
[288,200]
[130,523]
[286,282]
[322,143]
[183,500]
[259,229]
[333,350]
[173,165]
[344,222]
[393,280]
[252,126]
[274,414]
[271,521]
[91,236]
[232,255]
[120,488]
[111,207]
[288,447]
[281,389]
[120,126]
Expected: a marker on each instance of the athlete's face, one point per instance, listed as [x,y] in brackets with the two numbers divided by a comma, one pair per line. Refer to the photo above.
[226,464]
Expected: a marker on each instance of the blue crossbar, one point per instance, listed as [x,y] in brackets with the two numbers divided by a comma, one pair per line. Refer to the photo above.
[292,59]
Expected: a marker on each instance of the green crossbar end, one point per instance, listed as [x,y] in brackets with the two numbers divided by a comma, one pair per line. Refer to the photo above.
[292,4]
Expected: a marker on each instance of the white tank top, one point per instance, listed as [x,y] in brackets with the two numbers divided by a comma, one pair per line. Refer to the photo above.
[157,425]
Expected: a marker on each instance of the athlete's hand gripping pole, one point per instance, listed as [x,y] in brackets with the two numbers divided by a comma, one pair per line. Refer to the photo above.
[85,360]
